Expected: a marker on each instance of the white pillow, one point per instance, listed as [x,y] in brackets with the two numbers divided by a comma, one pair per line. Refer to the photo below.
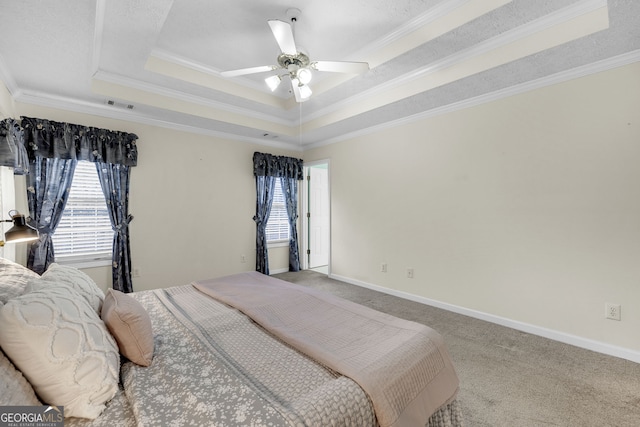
[14,388]
[77,280]
[63,348]
[13,279]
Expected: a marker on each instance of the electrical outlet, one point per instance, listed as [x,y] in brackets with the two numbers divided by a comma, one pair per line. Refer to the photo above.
[612,311]
[243,259]
[383,267]
[409,273]
[135,272]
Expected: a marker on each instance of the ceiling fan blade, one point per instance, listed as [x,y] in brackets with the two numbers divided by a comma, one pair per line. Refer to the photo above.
[341,67]
[284,36]
[245,71]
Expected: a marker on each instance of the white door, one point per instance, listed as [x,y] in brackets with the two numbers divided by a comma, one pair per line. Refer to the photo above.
[318,242]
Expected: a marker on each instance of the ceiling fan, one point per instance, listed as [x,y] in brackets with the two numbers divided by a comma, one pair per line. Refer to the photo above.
[296,64]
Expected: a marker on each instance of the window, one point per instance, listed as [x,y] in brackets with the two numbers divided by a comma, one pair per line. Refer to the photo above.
[84,234]
[278,223]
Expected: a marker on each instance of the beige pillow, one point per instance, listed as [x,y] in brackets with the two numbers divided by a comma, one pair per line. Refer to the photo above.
[62,347]
[130,325]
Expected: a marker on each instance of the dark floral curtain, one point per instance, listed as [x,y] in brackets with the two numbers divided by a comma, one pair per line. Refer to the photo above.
[48,185]
[114,180]
[49,139]
[46,139]
[265,186]
[267,168]
[290,190]
[12,150]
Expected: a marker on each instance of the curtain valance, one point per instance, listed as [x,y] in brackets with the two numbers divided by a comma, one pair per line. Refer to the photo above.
[278,166]
[50,139]
[12,150]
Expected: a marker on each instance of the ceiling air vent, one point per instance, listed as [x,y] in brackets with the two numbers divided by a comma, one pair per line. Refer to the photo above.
[122,105]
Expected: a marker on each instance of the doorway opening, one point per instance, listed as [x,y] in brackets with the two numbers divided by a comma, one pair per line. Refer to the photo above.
[316,218]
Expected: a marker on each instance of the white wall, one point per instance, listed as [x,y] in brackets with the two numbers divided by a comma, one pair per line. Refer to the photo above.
[527,208]
[192,198]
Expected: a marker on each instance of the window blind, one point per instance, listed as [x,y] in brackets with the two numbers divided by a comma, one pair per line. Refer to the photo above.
[278,223]
[84,232]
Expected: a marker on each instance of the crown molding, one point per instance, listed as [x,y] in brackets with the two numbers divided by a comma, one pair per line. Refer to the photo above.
[181,61]
[7,78]
[508,37]
[431,24]
[101,110]
[192,99]
[412,27]
[436,12]
[425,19]
[98,35]
[87,107]
[563,76]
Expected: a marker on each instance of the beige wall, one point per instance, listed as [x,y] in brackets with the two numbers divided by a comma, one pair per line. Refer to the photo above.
[526,208]
[192,198]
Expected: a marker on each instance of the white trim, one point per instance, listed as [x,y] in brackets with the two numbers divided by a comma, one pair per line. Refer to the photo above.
[101,110]
[89,263]
[202,68]
[187,97]
[184,62]
[278,271]
[534,27]
[87,107]
[586,343]
[302,208]
[426,18]
[303,235]
[560,77]
[98,35]
[277,243]
[7,78]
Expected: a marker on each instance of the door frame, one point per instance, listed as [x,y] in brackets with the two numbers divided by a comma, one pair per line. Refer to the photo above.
[304,209]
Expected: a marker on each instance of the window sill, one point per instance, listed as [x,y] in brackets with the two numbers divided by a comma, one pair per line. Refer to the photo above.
[84,263]
[277,244]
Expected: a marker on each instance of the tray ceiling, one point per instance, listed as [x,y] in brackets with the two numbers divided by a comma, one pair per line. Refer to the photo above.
[164,58]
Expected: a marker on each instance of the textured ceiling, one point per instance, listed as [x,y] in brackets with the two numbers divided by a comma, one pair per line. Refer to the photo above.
[164,57]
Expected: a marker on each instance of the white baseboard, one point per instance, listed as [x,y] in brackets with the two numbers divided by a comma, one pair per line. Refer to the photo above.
[597,346]
[278,271]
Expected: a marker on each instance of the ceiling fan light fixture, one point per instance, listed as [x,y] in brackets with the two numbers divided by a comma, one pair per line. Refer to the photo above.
[273,82]
[294,62]
[304,75]
[305,92]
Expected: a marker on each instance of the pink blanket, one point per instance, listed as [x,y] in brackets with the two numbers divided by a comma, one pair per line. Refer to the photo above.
[403,366]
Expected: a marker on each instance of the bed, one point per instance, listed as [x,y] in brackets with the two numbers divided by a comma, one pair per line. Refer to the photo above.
[192,355]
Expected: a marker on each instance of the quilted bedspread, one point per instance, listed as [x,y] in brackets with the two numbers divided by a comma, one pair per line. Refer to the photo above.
[214,366]
[403,366]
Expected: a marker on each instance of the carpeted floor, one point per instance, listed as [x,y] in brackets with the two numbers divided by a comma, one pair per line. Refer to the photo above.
[510,378]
